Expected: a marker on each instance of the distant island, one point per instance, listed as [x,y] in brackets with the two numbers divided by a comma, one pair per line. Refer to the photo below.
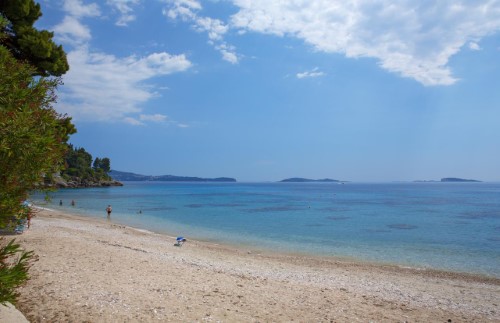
[448,179]
[453,179]
[304,180]
[126,176]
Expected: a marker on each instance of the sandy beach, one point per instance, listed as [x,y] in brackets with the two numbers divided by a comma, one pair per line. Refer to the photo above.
[98,271]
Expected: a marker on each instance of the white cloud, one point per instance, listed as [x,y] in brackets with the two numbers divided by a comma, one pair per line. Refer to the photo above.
[411,38]
[185,4]
[153,117]
[71,31]
[77,9]
[308,74]
[124,7]
[228,56]
[107,88]
[228,53]
[124,20]
[157,118]
[474,46]
[104,87]
[214,27]
[133,122]
[187,10]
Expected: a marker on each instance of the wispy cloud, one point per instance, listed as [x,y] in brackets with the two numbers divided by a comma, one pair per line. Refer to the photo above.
[188,11]
[153,117]
[156,118]
[215,28]
[77,9]
[413,39]
[132,121]
[315,72]
[124,7]
[71,31]
[228,53]
[474,46]
[101,86]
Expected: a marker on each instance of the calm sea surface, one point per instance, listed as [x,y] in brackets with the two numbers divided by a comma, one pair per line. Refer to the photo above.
[452,226]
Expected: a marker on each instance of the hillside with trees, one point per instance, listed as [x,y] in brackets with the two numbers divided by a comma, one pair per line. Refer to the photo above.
[81,170]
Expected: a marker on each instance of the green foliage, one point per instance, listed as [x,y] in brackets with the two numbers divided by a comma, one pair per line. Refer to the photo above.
[78,162]
[78,166]
[26,42]
[102,164]
[97,163]
[32,134]
[13,272]
[3,25]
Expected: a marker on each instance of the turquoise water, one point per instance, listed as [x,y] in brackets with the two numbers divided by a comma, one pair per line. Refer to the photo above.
[451,226]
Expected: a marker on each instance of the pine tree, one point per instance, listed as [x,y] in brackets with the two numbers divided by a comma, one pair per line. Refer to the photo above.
[26,42]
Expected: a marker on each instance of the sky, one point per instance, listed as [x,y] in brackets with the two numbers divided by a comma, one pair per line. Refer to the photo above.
[262,90]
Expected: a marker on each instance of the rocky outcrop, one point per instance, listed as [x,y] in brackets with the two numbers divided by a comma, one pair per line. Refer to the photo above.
[75,182]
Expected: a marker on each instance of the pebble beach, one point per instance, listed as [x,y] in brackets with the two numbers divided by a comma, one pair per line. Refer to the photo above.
[91,270]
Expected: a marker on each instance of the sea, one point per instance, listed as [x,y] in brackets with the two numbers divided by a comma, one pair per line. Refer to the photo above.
[445,226]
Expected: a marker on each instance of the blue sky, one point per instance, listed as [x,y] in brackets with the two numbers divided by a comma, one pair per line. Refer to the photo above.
[264,90]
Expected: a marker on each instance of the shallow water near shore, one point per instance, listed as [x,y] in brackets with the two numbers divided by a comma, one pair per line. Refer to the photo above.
[448,226]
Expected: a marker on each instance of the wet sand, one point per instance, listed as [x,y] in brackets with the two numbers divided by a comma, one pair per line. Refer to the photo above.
[97,271]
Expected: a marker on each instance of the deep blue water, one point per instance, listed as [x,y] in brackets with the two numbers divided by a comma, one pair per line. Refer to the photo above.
[451,226]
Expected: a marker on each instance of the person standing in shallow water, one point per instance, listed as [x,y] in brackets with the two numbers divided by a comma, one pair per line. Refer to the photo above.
[109,209]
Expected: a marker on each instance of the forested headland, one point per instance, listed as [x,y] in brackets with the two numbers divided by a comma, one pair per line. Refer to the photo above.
[81,170]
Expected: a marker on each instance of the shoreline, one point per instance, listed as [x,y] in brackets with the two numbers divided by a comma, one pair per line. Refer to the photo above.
[438,272]
[89,268]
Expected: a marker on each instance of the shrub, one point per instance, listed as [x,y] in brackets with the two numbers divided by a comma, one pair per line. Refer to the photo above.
[14,265]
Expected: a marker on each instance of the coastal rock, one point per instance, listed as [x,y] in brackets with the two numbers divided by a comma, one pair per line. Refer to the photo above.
[8,313]
[111,183]
[59,182]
